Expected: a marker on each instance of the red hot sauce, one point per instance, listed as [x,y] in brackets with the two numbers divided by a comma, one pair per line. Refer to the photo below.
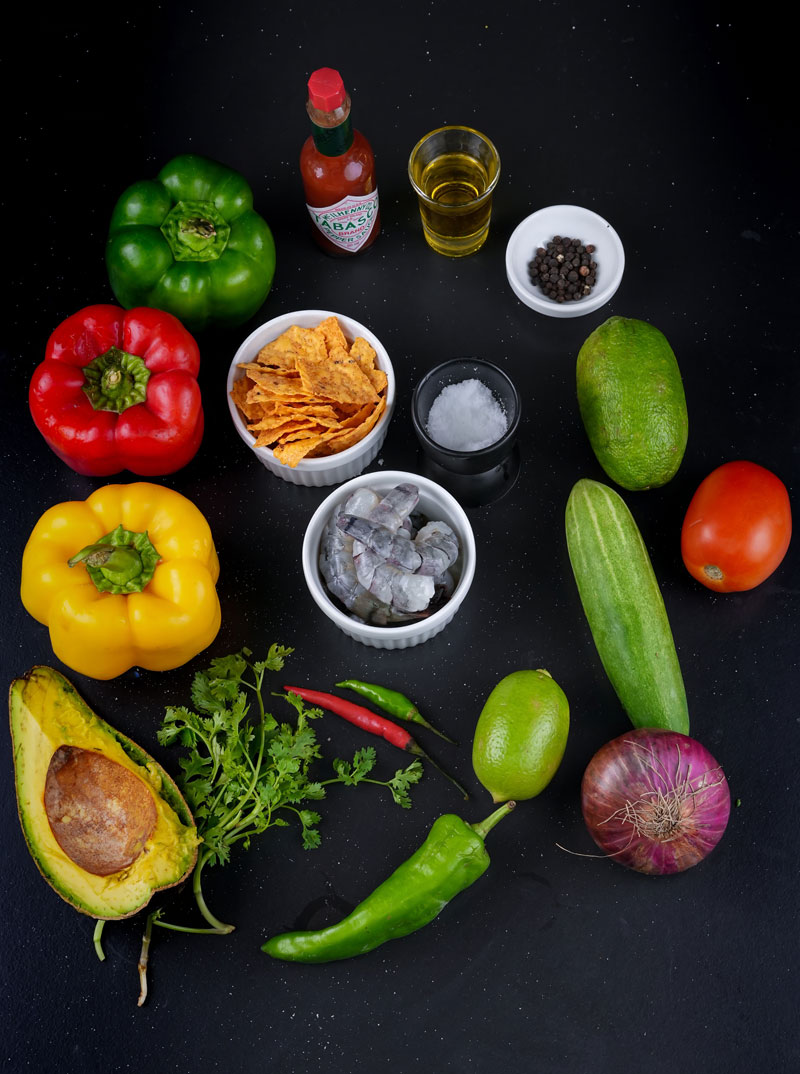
[338,170]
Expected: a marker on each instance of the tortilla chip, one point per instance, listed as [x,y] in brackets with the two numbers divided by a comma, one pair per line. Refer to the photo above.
[308,342]
[363,353]
[334,442]
[324,413]
[377,379]
[239,391]
[343,383]
[278,425]
[284,433]
[267,389]
[309,393]
[275,362]
[332,333]
[358,417]
[285,343]
[291,453]
[354,433]
[341,356]
[366,357]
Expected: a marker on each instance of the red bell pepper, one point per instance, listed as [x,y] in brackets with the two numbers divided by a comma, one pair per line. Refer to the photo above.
[117,390]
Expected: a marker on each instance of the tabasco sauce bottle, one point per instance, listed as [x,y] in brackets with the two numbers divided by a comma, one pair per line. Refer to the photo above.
[338,170]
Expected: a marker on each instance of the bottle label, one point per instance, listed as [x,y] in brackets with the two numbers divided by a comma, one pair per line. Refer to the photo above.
[349,222]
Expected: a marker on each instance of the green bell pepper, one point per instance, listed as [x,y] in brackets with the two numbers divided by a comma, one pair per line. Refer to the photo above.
[189,242]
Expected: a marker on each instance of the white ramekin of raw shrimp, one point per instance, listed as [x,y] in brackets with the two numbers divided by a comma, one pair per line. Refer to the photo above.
[389,611]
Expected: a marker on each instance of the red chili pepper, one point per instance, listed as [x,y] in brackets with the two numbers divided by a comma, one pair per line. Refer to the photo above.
[117,390]
[369,721]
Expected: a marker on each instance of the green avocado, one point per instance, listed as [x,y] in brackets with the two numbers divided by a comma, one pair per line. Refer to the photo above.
[105,824]
[632,403]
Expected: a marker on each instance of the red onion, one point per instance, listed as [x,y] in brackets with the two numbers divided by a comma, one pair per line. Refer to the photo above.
[655,800]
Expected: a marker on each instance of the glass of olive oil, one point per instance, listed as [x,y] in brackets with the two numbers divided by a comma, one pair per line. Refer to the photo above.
[454,171]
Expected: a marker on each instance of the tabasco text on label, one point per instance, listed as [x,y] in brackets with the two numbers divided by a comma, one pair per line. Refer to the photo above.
[348,222]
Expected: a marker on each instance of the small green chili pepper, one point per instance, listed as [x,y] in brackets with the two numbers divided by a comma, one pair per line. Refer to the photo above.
[393,702]
[451,858]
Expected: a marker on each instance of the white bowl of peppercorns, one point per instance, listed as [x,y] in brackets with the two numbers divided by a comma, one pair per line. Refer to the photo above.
[564,261]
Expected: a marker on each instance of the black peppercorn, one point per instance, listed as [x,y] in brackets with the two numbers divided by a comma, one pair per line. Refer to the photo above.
[564,269]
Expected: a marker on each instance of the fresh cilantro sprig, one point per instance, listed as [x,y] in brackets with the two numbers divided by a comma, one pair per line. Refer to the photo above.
[354,772]
[244,774]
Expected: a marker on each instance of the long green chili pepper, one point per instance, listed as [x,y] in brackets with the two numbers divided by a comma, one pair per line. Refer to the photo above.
[451,858]
[393,702]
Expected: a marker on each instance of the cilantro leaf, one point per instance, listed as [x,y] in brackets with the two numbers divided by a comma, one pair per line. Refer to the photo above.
[353,772]
[402,780]
[243,770]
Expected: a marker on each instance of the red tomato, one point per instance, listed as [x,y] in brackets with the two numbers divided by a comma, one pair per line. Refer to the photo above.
[737,528]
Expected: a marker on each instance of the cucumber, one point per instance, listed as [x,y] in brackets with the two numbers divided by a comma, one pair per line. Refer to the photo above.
[624,607]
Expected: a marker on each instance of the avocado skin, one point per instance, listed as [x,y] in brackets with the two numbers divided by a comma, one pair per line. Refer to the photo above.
[46,712]
[632,403]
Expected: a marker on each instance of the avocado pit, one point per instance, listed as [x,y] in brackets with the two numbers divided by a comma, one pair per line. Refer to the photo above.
[100,812]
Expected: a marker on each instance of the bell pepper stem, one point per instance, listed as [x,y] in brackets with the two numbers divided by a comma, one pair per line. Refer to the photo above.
[483,827]
[195,231]
[116,380]
[116,559]
[120,562]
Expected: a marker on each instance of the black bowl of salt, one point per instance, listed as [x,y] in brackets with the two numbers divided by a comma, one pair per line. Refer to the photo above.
[466,414]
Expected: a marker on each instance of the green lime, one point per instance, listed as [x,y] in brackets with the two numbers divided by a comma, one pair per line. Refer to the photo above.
[632,403]
[521,736]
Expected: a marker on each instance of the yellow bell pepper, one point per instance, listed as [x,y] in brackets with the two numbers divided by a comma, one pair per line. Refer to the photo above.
[123,579]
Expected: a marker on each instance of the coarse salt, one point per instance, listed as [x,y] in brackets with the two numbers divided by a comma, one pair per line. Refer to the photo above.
[466,417]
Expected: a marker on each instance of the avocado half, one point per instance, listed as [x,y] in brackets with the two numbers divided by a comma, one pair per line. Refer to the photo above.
[105,824]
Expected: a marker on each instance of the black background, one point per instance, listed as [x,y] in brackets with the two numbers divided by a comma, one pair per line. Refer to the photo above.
[673,122]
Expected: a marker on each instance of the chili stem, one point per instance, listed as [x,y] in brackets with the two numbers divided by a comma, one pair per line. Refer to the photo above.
[483,827]
[441,734]
[416,748]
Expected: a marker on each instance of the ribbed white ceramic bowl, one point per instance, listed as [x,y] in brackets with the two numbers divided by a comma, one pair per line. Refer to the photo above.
[333,468]
[434,502]
[537,230]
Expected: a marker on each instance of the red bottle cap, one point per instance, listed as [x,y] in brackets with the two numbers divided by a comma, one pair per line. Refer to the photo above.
[326,90]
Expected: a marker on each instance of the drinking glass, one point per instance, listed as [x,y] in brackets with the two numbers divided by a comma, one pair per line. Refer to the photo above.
[454,171]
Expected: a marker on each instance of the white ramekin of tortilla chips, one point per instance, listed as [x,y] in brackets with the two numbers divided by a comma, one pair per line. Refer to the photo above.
[312,393]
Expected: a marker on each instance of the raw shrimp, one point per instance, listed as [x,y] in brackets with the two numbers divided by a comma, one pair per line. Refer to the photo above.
[337,568]
[383,565]
[445,586]
[386,543]
[396,505]
[361,503]
[403,591]
[437,546]
[365,561]
[406,592]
